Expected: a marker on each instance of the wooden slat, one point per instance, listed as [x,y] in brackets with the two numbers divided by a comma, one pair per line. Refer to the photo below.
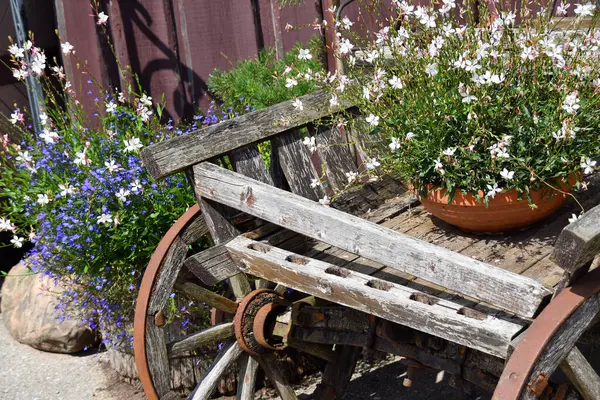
[579,243]
[269,364]
[156,354]
[296,165]
[228,354]
[208,297]
[212,335]
[212,265]
[389,301]
[166,158]
[335,156]
[338,373]
[581,374]
[165,280]
[247,378]
[434,264]
[249,162]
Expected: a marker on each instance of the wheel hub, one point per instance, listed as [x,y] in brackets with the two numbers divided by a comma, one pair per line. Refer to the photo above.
[255,322]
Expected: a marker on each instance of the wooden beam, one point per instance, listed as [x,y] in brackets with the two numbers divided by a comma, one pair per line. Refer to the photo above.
[579,243]
[384,299]
[175,155]
[212,335]
[228,354]
[581,374]
[451,270]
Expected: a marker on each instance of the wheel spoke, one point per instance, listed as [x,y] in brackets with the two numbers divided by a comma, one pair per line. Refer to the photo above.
[208,297]
[228,354]
[269,364]
[581,374]
[212,335]
[240,285]
[261,284]
[247,378]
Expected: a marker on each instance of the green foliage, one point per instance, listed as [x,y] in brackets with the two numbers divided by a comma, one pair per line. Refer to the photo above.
[258,82]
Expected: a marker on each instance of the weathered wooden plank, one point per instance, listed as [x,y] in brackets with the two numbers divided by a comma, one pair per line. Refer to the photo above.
[247,378]
[383,299]
[269,364]
[208,297]
[248,161]
[581,374]
[212,265]
[174,155]
[563,341]
[228,354]
[337,373]
[579,243]
[194,231]
[297,167]
[212,335]
[434,264]
[163,286]
[336,156]
[156,354]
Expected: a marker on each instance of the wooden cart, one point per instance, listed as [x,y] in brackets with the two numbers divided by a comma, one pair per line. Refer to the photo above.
[376,270]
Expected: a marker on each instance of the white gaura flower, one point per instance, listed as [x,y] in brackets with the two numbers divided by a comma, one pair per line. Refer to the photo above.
[509,18]
[561,10]
[112,166]
[67,48]
[38,62]
[121,97]
[371,56]
[20,74]
[574,217]
[325,201]
[428,21]
[43,118]
[333,101]
[24,157]
[493,190]
[111,107]
[104,219]
[102,18]
[6,225]
[529,53]
[438,166]
[136,186]
[81,158]
[290,82]
[49,136]
[396,83]
[66,189]
[366,93]
[17,241]
[43,199]
[409,136]
[449,151]
[431,69]
[584,10]
[373,120]
[314,183]
[146,100]
[304,54]
[122,195]
[17,116]
[310,142]
[588,165]
[16,51]
[506,174]
[132,145]
[352,176]
[395,144]
[346,23]
[571,103]
[372,163]
[298,106]
[345,46]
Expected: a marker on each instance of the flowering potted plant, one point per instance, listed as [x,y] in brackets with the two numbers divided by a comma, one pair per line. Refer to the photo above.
[493,123]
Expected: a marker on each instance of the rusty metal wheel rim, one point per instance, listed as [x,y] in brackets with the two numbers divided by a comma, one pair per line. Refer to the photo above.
[516,374]
[143,300]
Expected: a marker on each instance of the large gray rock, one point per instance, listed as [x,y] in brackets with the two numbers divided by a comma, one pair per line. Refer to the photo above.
[28,303]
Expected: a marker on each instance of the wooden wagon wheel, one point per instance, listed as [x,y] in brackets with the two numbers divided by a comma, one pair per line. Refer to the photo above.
[233,332]
[550,342]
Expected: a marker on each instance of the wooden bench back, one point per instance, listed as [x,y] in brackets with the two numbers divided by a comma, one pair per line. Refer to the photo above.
[293,164]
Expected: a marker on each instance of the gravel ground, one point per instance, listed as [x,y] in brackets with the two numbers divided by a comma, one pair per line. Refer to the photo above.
[30,374]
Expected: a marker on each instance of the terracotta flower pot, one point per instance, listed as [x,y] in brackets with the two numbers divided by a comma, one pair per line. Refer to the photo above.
[504,213]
